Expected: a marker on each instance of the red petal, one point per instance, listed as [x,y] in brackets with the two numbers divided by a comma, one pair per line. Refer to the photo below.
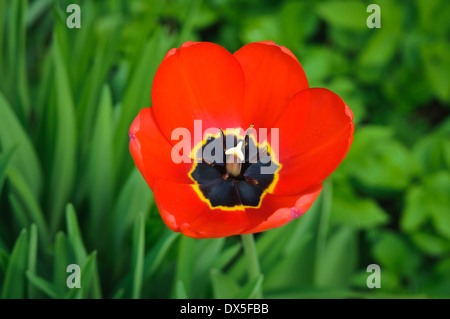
[285,208]
[315,133]
[198,81]
[152,152]
[183,211]
[272,77]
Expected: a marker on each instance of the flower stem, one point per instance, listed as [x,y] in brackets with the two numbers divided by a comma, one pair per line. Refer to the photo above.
[251,255]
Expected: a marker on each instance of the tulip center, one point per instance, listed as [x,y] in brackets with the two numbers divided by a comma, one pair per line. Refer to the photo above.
[235,171]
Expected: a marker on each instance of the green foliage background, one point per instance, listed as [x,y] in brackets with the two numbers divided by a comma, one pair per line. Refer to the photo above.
[69,191]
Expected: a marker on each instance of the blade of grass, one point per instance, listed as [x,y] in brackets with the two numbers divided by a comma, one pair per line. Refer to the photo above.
[63,163]
[138,256]
[60,263]
[227,256]
[18,212]
[32,259]
[4,259]
[14,285]
[96,285]
[5,160]
[3,13]
[185,264]
[42,284]
[74,235]
[180,291]
[87,275]
[30,204]
[104,55]
[86,278]
[134,197]
[325,212]
[138,92]
[254,270]
[37,8]
[25,159]
[21,68]
[341,260]
[118,294]
[252,289]
[224,287]
[158,252]
[207,252]
[100,175]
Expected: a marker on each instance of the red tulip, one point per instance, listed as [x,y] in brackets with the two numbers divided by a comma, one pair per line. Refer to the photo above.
[261,86]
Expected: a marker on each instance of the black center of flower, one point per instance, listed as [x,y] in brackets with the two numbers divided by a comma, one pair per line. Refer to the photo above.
[234,171]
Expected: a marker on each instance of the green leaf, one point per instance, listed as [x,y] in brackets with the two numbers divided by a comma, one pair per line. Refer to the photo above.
[156,255]
[4,259]
[325,212]
[300,248]
[138,256]
[14,284]
[42,284]
[350,94]
[89,280]
[359,213]
[227,256]
[25,159]
[60,263]
[74,235]
[18,212]
[134,197]
[180,291]
[64,157]
[100,168]
[315,293]
[224,287]
[250,290]
[118,294]
[380,164]
[208,250]
[438,201]
[437,63]
[350,15]
[261,28]
[429,201]
[339,259]
[29,203]
[138,91]
[36,9]
[103,57]
[185,263]
[393,252]
[431,244]
[17,85]
[430,152]
[380,49]
[5,160]
[414,214]
[32,258]
[88,274]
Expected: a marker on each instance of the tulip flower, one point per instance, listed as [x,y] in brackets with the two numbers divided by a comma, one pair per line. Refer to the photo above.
[265,144]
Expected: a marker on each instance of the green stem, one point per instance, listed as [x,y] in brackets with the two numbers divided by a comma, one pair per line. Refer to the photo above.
[254,271]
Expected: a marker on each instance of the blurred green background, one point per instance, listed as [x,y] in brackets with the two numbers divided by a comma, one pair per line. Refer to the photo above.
[70,193]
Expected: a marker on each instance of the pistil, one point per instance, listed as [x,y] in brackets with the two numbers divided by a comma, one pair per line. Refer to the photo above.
[234,159]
